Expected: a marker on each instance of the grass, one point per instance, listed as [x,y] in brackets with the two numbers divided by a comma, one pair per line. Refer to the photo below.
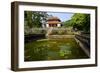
[53,49]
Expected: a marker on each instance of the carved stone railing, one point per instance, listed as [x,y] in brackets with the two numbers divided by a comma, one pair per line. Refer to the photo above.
[85,40]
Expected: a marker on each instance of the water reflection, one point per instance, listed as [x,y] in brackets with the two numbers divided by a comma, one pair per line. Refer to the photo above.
[57,49]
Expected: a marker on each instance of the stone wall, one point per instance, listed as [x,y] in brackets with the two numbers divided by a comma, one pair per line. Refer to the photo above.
[60,36]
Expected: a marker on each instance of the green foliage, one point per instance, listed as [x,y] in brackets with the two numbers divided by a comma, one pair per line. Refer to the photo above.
[28,18]
[34,19]
[67,23]
[79,21]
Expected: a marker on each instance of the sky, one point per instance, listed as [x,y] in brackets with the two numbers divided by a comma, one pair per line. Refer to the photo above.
[61,16]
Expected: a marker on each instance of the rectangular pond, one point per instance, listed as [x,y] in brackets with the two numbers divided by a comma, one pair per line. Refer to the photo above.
[53,49]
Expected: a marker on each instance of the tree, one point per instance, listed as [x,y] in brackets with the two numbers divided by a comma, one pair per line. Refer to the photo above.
[86,25]
[67,23]
[28,19]
[79,21]
[34,19]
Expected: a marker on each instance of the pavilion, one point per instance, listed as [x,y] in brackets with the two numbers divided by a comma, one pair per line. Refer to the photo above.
[53,22]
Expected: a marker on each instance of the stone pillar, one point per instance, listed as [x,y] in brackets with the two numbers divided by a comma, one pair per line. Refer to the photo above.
[58,25]
[47,25]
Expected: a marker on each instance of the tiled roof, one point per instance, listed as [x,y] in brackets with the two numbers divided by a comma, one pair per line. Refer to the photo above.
[53,18]
[53,22]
